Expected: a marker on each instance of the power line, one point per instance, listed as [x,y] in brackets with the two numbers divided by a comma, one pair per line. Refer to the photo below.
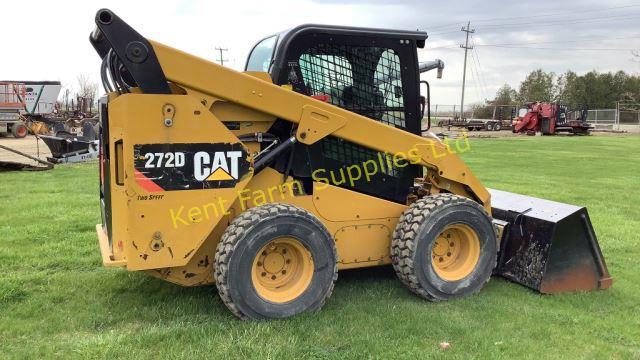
[562,13]
[456,46]
[532,47]
[476,89]
[479,88]
[565,22]
[476,59]
[552,23]
[444,32]
[445,25]
[475,73]
[561,48]
[591,39]
[480,72]
[538,15]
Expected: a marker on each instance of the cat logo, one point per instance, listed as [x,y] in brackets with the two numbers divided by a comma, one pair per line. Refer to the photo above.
[223,165]
[190,166]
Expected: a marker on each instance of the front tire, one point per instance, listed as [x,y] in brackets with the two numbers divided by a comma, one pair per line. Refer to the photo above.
[275,261]
[444,247]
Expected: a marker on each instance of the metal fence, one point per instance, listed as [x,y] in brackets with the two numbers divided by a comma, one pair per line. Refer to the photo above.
[625,117]
[628,116]
[602,118]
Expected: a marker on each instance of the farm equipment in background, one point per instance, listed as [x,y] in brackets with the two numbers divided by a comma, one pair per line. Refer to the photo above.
[477,124]
[43,115]
[498,120]
[70,117]
[73,148]
[550,119]
[78,109]
[39,99]
[12,101]
[487,125]
[496,123]
[210,175]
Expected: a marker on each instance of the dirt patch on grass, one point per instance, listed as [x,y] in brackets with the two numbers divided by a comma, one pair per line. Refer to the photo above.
[29,145]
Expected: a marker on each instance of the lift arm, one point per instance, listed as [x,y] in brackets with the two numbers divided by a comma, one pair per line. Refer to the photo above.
[315,119]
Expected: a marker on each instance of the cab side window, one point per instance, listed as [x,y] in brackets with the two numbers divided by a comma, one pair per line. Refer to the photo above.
[366,80]
[261,55]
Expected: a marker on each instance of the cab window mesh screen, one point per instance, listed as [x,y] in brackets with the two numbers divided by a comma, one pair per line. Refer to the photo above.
[365,80]
[352,154]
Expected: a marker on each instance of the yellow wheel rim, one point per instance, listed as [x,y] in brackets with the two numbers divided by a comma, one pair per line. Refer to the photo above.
[456,252]
[282,270]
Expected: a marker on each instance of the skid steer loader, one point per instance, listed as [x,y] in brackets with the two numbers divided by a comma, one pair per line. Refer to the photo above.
[267,182]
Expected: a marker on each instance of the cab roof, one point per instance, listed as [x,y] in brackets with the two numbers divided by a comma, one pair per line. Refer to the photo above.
[419,36]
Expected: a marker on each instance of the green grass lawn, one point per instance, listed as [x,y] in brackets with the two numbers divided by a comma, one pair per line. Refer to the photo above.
[56,299]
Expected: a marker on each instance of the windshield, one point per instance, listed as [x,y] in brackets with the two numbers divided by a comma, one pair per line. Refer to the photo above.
[260,57]
[523,112]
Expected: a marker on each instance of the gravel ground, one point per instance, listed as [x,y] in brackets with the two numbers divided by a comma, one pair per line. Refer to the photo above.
[28,145]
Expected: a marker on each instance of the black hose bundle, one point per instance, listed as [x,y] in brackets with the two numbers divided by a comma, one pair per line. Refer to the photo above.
[111,74]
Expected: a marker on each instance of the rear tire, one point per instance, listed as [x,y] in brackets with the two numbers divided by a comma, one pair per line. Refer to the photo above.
[497,127]
[275,261]
[490,127]
[19,130]
[444,247]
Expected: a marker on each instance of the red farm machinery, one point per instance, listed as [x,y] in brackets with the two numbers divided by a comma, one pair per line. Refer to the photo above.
[551,118]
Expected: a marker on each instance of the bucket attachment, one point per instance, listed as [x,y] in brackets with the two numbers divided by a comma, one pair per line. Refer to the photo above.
[548,246]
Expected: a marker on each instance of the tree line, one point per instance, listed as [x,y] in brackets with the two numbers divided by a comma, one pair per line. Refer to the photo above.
[594,90]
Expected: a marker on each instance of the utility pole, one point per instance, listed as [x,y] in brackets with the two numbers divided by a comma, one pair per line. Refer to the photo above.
[222,59]
[466,48]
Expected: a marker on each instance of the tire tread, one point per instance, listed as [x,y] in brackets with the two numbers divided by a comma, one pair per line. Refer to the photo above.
[403,244]
[237,229]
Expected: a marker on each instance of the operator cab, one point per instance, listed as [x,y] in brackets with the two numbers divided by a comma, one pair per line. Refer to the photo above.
[371,72]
